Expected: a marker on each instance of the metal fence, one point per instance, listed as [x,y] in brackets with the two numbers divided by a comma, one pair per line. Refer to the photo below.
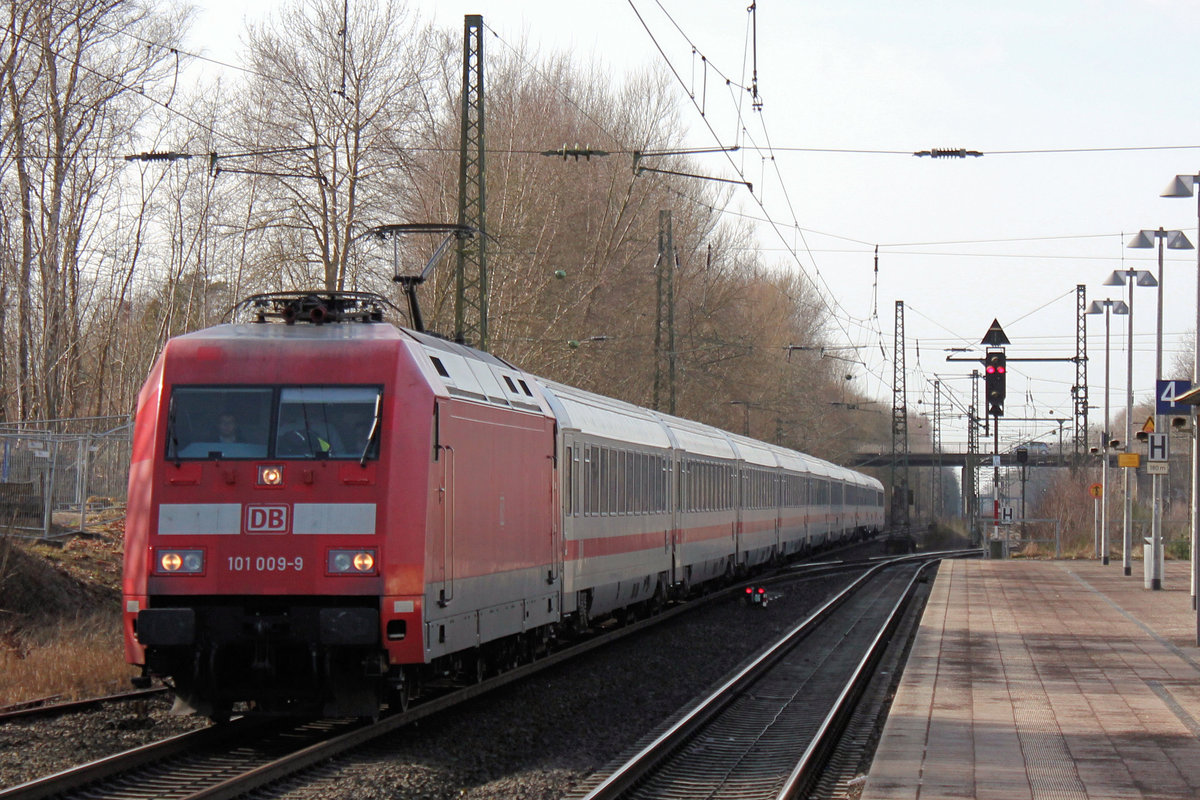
[1019,533]
[52,473]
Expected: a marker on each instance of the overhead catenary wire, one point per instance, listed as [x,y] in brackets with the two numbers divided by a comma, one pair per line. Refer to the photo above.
[840,313]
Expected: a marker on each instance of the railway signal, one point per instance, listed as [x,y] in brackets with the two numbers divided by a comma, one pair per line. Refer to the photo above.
[995,371]
[756,596]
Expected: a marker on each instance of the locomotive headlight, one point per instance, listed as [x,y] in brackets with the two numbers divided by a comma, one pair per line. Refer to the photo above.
[352,562]
[270,475]
[181,562]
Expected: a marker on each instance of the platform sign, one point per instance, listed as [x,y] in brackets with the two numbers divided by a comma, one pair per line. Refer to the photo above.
[1157,447]
[1157,468]
[1167,392]
[1006,515]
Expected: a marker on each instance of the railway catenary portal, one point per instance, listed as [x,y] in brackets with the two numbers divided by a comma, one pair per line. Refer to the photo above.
[397,509]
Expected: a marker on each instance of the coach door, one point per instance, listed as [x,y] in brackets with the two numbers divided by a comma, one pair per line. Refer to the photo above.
[442,515]
[569,473]
[739,512]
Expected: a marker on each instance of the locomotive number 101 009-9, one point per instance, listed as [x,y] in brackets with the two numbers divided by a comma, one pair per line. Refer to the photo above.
[265,563]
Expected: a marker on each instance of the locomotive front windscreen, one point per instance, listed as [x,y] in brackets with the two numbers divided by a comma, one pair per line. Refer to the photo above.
[234,422]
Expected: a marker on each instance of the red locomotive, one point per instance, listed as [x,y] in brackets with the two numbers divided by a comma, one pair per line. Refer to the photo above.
[326,511]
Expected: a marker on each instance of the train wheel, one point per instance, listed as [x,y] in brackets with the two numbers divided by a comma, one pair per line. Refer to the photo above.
[480,669]
[400,697]
[655,604]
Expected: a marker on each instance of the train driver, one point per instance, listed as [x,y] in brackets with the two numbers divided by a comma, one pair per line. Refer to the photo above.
[296,437]
[227,428]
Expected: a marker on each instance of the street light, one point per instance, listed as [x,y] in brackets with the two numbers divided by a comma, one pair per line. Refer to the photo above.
[745,404]
[1174,240]
[1138,277]
[1107,308]
[1182,187]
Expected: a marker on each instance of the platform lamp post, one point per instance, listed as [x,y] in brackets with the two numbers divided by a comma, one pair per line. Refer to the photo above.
[1107,308]
[1134,277]
[745,404]
[1182,187]
[1173,240]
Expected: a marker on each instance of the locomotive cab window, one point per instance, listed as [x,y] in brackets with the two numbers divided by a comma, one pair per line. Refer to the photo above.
[220,422]
[299,422]
[327,422]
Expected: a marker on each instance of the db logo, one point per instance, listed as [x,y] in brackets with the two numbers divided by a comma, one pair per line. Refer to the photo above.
[266,519]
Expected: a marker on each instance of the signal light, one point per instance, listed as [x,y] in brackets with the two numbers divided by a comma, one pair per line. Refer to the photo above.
[995,371]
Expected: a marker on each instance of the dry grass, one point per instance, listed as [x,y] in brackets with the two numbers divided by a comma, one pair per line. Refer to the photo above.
[60,623]
[80,658]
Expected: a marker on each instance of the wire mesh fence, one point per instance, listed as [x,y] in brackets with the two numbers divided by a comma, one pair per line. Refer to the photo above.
[53,473]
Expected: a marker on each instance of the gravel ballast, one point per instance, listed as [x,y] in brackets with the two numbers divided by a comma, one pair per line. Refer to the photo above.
[537,738]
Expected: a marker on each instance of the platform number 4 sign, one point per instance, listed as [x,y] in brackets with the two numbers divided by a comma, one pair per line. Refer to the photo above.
[1167,392]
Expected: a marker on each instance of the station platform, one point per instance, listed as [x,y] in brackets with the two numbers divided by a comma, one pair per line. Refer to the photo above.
[1046,679]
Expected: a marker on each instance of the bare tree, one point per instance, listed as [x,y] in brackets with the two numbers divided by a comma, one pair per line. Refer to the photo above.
[330,112]
[72,81]
[574,259]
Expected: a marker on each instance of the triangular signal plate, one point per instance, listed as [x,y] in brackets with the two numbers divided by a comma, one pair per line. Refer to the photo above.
[995,335]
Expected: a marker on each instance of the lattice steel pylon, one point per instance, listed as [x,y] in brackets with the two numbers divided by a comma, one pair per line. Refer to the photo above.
[971,509]
[664,321]
[899,425]
[936,482]
[471,275]
[1079,392]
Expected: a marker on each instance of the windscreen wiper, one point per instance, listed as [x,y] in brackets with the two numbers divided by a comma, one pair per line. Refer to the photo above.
[362,462]
[172,438]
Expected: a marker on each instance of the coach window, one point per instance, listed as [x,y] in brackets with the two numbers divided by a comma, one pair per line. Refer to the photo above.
[593,481]
[614,491]
[649,476]
[218,422]
[623,482]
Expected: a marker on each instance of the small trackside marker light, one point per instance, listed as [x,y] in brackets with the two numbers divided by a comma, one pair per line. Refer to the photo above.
[270,476]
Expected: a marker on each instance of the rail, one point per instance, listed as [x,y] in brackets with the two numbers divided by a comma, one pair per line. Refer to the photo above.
[727,708]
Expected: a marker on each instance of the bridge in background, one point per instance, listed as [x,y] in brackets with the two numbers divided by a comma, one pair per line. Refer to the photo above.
[967,459]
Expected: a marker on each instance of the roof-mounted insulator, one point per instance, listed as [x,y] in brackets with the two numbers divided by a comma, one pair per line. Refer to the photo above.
[316,307]
[948,152]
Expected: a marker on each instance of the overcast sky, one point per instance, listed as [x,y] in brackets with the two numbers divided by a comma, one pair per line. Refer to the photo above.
[1084,112]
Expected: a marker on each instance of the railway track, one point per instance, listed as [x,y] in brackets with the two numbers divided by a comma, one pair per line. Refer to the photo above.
[765,732]
[222,762]
[54,706]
